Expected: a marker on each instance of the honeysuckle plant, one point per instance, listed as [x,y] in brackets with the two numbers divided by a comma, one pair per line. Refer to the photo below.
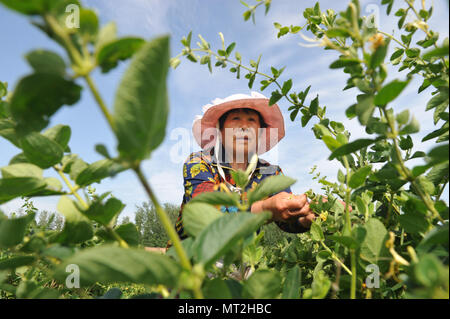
[399,222]
[36,262]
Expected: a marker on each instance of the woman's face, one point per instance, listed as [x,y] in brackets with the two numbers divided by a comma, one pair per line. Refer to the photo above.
[240,134]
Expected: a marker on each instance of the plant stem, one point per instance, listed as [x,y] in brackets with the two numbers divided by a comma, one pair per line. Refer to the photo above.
[100,101]
[348,226]
[170,230]
[333,255]
[442,190]
[74,54]
[162,215]
[73,190]
[393,38]
[407,174]
[353,284]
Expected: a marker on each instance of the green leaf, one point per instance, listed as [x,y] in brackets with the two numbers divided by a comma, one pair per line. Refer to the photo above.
[314,106]
[364,108]
[347,241]
[292,282]
[98,171]
[108,264]
[438,173]
[16,262]
[197,216]
[77,228]
[320,285]
[330,142]
[216,289]
[358,177]
[41,150]
[316,232]
[412,127]
[412,52]
[230,48]
[38,96]
[287,85]
[102,150]
[343,62]
[28,7]
[43,61]
[59,134]
[378,56]
[403,117]
[22,170]
[113,293]
[240,177]
[437,53]
[262,284]
[275,97]
[350,112]
[406,143]
[217,198]
[107,34]
[397,55]
[413,222]
[351,147]
[111,53]
[73,165]
[269,186]
[89,25]
[429,271]
[389,92]
[3,92]
[337,32]
[436,236]
[141,106]
[223,233]
[11,188]
[103,213]
[128,232]
[13,230]
[439,153]
[373,248]
[436,101]
[361,205]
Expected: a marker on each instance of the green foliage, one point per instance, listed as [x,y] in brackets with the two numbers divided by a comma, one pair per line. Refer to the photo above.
[140,122]
[394,217]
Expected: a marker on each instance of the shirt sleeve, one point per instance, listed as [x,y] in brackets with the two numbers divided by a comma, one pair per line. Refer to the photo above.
[197,178]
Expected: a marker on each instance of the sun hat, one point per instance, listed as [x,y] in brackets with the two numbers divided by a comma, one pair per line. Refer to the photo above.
[205,127]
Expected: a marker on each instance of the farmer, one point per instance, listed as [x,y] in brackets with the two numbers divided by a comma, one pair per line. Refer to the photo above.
[230,132]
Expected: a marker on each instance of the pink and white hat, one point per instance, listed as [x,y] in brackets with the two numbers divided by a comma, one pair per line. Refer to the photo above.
[205,126]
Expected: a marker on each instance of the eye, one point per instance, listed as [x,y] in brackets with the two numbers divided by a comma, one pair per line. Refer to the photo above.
[236,118]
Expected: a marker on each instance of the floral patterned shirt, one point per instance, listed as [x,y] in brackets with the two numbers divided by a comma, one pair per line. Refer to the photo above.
[200,175]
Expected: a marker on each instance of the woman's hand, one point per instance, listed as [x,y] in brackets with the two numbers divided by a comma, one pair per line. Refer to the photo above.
[287,208]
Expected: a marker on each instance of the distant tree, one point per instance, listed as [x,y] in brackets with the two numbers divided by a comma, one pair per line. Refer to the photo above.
[125,220]
[43,218]
[50,221]
[149,226]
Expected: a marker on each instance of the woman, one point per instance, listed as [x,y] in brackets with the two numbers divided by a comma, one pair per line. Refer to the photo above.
[230,132]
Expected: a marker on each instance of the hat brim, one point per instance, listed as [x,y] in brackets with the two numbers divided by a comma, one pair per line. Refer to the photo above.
[205,131]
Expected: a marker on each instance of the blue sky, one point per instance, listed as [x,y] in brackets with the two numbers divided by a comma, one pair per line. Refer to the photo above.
[191,85]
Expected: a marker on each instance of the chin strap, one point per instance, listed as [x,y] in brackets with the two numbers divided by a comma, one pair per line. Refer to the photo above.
[250,168]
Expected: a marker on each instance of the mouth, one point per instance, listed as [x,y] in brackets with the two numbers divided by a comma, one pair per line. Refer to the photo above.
[243,138]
